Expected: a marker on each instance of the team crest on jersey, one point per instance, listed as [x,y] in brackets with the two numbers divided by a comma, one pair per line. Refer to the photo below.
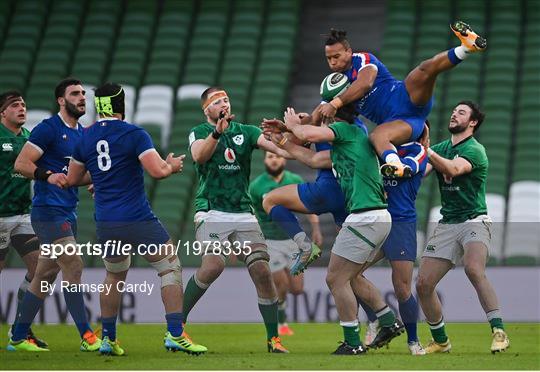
[239,139]
[64,137]
[230,156]
[7,147]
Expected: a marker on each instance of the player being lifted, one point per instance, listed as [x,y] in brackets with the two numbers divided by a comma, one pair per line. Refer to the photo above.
[280,247]
[399,108]
[364,230]
[115,153]
[221,149]
[461,165]
[15,227]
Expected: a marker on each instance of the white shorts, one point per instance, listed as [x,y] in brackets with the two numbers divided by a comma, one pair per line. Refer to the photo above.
[281,252]
[14,225]
[236,228]
[448,239]
[363,235]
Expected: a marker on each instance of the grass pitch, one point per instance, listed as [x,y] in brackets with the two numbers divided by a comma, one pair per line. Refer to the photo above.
[242,346]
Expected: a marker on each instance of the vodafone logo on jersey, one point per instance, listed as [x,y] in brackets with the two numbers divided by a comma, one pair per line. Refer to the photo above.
[230,156]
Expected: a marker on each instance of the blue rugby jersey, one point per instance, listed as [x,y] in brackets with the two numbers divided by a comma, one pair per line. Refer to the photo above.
[56,141]
[401,192]
[110,150]
[373,105]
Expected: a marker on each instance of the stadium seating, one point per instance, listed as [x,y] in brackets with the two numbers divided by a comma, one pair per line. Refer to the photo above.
[522,234]
[154,112]
[34,117]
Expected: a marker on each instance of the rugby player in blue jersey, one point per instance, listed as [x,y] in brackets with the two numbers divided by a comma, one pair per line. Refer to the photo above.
[399,108]
[115,153]
[400,246]
[45,158]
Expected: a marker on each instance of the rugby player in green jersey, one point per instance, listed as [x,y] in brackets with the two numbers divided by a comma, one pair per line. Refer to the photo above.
[359,241]
[15,227]
[464,232]
[281,248]
[224,222]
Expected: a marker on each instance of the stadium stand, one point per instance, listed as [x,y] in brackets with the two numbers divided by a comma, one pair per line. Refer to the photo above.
[166,52]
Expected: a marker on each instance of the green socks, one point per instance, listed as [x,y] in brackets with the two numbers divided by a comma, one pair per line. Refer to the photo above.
[495,319]
[269,312]
[194,291]
[386,317]
[351,332]
[438,332]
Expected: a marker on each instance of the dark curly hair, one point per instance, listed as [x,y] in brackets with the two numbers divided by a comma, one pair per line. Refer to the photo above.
[337,36]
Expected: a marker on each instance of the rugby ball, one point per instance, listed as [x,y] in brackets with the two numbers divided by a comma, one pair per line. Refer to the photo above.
[333,85]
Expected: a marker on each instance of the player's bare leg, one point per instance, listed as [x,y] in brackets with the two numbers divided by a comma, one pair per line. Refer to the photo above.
[402,273]
[338,278]
[279,205]
[431,271]
[474,260]
[116,271]
[211,268]
[420,82]
[259,270]
[169,270]
[385,137]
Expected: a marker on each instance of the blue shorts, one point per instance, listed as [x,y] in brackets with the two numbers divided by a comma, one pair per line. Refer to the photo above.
[401,243]
[324,196]
[53,223]
[136,233]
[400,107]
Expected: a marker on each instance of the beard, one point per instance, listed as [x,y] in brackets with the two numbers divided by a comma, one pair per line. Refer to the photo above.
[73,111]
[457,129]
[274,172]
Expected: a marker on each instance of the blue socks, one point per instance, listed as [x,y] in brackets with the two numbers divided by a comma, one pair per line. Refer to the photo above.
[75,305]
[409,314]
[411,163]
[454,59]
[174,323]
[20,296]
[369,312]
[29,309]
[286,220]
[109,327]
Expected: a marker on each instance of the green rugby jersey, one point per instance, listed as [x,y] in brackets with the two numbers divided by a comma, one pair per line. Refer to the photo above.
[14,187]
[258,189]
[357,168]
[224,178]
[463,197]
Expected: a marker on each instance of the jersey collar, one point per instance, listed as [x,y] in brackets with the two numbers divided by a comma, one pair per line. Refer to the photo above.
[66,124]
[462,141]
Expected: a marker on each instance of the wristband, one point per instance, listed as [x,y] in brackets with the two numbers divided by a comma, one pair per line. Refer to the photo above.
[41,174]
[337,103]
[216,134]
[282,141]
[430,152]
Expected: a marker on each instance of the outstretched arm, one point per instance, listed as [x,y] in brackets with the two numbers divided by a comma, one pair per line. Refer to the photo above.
[315,160]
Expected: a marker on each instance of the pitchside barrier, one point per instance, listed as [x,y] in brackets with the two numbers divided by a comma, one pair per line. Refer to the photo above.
[232,298]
